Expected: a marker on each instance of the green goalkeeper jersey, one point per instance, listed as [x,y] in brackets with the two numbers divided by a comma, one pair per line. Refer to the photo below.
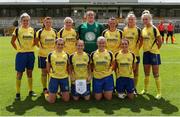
[89,34]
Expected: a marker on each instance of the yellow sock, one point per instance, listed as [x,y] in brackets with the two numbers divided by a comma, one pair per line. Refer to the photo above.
[30,84]
[18,84]
[44,81]
[146,83]
[157,80]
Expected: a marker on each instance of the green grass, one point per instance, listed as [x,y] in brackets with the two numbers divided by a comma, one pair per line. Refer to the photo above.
[142,105]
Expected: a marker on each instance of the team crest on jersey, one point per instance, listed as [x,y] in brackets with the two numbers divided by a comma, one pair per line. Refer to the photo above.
[90,36]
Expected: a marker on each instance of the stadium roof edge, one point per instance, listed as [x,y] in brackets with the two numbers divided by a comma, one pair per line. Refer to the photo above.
[85,3]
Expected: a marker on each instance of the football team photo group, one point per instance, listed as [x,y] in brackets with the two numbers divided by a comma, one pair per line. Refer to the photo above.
[92,64]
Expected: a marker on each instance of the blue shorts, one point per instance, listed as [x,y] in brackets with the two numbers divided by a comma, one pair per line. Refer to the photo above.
[152,59]
[105,84]
[124,84]
[41,62]
[54,83]
[74,93]
[24,60]
[138,59]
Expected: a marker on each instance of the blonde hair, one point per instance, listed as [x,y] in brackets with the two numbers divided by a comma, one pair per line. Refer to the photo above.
[147,13]
[68,18]
[78,41]
[24,15]
[100,39]
[130,14]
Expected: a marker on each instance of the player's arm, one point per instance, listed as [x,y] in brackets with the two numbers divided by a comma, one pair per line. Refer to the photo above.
[92,61]
[13,40]
[115,64]
[140,42]
[71,69]
[48,67]
[159,42]
[48,61]
[36,40]
[111,61]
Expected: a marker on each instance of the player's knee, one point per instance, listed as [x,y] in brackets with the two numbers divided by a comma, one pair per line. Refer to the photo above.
[131,96]
[109,97]
[51,101]
[98,97]
[156,75]
[19,78]
[87,98]
[19,75]
[75,98]
[65,97]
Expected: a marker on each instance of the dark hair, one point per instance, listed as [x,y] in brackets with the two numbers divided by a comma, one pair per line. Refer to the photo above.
[46,18]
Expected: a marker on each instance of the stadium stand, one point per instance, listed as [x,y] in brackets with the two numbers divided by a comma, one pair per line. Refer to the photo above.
[11,10]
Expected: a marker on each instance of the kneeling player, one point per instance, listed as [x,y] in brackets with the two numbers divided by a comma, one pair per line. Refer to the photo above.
[124,64]
[80,73]
[103,83]
[57,64]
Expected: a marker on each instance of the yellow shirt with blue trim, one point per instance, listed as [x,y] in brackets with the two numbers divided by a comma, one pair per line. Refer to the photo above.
[125,64]
[113,39]
[46,41]
[70,38]
[80,65]
[25,38]
[148,40]
[102,63]
[59,62]
[132,35]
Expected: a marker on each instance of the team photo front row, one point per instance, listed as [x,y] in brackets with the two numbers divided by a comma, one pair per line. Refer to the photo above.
[71,61]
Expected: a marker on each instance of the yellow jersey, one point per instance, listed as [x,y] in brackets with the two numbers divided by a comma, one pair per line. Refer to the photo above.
[70,38]
[149,39]
[102,63]
[80,65]
[133,35]
[125,64]
[25,38]
[59,63]
[46,41]
[113,39]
